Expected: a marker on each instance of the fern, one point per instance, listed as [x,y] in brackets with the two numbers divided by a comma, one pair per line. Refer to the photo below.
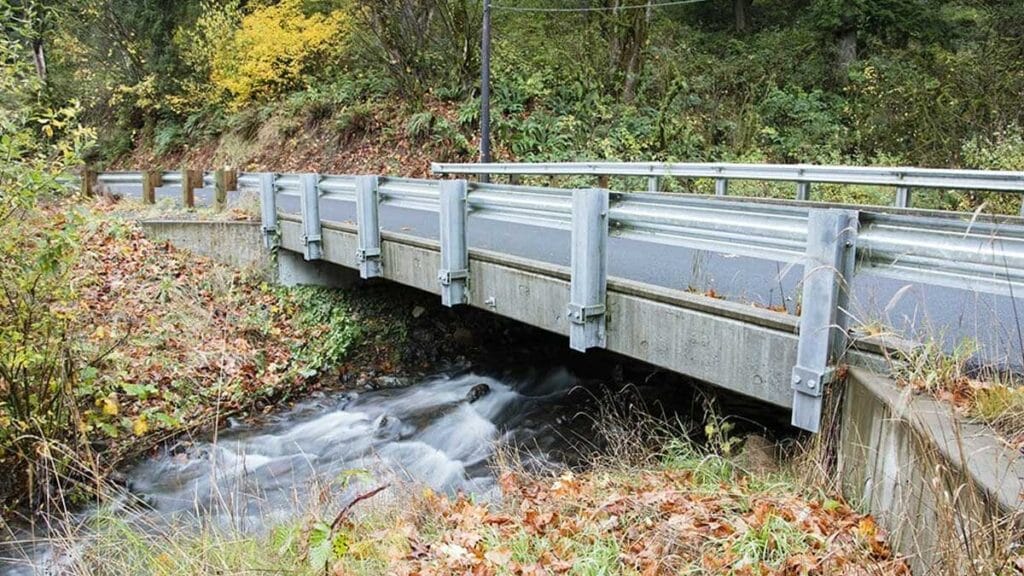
[419,124]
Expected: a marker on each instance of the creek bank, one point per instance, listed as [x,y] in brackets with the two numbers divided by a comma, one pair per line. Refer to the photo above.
[167,343]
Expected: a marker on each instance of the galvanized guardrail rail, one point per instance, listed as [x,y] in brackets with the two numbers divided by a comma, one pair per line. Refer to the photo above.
[833,244]
[902,180]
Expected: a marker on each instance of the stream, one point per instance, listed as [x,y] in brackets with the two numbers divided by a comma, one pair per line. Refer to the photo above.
[440,432]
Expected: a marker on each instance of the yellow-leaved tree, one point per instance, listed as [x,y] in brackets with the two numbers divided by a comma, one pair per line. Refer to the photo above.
[273,47]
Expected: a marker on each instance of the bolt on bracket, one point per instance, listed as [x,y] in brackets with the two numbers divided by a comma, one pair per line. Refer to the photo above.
[812,382]
[579,314]
[446,277]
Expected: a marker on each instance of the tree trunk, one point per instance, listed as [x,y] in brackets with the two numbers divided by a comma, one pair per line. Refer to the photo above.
[741,11]
[634,64]
[846,40]
[39,58]
[614,42]
[846,52]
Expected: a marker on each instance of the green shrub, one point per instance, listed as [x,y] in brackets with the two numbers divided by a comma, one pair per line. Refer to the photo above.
[321,311]
[801,126]
[419,125]
[167,138]
[353,120]
[1003,150]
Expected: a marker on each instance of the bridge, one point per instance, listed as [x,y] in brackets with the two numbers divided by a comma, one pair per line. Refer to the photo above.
[764,297]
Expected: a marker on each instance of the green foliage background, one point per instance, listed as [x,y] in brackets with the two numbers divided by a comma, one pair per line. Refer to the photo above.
[933,82]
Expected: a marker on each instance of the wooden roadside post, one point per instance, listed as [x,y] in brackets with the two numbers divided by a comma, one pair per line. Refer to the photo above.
[232,179]
[88,182]
[220,190]
[224,179]
[151,180]
[190,180]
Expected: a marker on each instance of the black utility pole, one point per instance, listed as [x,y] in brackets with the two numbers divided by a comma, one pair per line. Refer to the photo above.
[485,90]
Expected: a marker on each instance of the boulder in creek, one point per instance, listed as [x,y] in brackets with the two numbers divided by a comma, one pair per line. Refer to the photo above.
[477,392]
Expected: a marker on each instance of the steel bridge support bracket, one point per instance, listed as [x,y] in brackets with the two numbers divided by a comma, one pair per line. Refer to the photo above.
[268,209]
[309,203]
[454,273]
[902,197]
[586,311]
[803,191]
[368,222]
[829,263]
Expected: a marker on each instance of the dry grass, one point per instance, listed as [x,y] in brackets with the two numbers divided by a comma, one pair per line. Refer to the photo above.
[244,206]
[988,394]
[1001,407]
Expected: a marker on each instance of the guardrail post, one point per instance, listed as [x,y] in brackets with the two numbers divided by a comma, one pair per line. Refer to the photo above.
[151,180]
[88,182]
[803,191]
[190,180]
[368,220]
[309,203]
[224,181]
[721,187]
[268,209]
[652,183]
[903,197]
[828,267]
[454,272]
[219,190]
[589,269]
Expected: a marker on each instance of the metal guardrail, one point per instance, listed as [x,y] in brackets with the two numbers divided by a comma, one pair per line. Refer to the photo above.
[804,175]
[409,193]
[249,181]
[965,254]
[832,243]
[127,178]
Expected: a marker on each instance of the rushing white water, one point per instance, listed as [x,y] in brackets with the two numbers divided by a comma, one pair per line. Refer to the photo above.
[440,433]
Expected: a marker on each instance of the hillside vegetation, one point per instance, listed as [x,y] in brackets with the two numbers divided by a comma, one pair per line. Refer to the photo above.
[388,85]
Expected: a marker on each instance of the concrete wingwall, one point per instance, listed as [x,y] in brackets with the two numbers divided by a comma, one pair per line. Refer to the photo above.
[949,492]
[236,243]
